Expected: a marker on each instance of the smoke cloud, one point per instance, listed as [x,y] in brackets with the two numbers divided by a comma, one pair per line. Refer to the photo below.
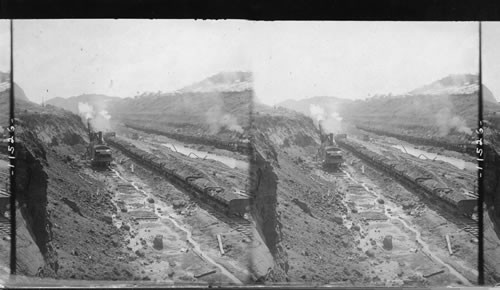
[99,120]
[217,121]
[330,122]
[317,112]
[448,123]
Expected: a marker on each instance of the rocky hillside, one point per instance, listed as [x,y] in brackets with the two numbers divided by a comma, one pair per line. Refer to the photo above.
[446,109]
[4,100]
[211,107]
[5,97]
[222,82]
[64,212]
[74,104]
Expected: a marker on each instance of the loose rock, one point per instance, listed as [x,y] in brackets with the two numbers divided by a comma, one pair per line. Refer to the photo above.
[158,242]
[387,242]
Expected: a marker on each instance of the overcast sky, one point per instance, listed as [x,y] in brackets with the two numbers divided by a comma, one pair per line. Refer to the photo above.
[355,59]
[64,58]
[4,45]
[290,60]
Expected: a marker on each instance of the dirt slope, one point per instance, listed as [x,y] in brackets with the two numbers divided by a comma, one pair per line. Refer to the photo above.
[310,240]
[67,213]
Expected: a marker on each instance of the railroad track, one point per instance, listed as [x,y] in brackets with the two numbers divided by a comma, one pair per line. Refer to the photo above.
[238,224]
[471,227]
[4,227]
[464,223]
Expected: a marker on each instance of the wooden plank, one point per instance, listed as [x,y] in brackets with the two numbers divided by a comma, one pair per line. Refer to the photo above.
[433,273]
[219,239]
[205,274]
[449,244]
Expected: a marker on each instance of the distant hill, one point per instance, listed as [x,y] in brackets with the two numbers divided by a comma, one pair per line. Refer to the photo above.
[219,104]
[451,85]
[442,108]
[455,85]
[98,101]
[222,82]
[5,97]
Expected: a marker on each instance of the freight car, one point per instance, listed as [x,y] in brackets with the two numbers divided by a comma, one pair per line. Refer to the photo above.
[414,178]
[188,178]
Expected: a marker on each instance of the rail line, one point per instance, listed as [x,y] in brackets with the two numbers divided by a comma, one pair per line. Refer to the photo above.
[357,186]
[196,246]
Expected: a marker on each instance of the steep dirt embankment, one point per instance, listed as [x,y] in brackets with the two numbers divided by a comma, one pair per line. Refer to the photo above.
[284,129]
[444,117]
[301,212]
[67,213]
[264,186]
[225,114]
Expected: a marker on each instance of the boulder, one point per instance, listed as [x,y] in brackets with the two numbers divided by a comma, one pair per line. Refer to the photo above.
[140,253]
[158,242]
[370,253]
[178,204]
[387,242]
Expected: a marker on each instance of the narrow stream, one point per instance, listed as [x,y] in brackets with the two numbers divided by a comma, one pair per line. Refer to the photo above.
[459,163]
[196,247]
[193,153]
[391,207]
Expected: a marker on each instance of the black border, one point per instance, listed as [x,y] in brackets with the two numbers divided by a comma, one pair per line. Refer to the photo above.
[407,10]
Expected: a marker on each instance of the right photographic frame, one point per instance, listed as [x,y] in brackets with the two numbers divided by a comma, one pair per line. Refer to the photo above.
[491,146]
[369,128]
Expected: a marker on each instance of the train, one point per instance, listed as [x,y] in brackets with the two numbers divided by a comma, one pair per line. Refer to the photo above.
[329,152]
[415,178]
[189,178]
[99,153]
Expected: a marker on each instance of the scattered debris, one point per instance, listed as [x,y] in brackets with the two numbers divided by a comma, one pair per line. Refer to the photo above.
[449,244]
[370,253]
[219,240]
[205,274]
[387,242]
[158,242]
[303,206]
[72,205]
[433,273]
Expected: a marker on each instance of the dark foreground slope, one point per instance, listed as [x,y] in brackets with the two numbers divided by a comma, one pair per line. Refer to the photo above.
[64,212]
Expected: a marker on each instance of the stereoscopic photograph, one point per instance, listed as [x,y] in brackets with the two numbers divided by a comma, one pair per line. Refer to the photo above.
[234,152]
